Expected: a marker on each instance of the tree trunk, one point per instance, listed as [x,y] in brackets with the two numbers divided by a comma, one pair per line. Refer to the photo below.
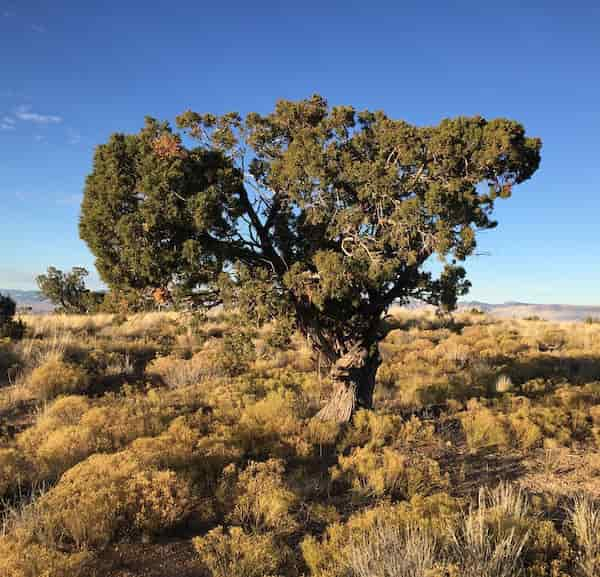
[353,376]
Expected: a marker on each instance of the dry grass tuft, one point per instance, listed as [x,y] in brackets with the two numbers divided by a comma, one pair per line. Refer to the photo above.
[584,516]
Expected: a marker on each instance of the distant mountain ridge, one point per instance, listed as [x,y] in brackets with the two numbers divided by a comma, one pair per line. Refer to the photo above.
[550,312]
[28,299]
[31,299]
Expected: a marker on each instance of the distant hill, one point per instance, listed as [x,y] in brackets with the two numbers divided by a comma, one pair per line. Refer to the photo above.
[33,300]
[548,312]
[29,300]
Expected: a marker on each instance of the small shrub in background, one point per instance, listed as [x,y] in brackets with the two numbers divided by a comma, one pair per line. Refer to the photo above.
[280,334]
[504,384]
[237,353]
[176,372]
[9,327]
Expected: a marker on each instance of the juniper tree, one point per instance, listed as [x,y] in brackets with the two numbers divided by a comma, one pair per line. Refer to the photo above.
[68,291]
[9,327]
[322,212]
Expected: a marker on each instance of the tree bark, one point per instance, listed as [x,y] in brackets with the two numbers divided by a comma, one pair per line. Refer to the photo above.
[353,377]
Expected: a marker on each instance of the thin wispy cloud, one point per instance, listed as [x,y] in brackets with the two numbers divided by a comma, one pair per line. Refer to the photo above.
[25,113]
[7,123]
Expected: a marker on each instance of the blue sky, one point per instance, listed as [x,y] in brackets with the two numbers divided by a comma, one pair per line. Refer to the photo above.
[73,72]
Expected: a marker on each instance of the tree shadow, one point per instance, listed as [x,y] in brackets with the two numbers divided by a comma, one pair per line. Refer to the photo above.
[488,467]
[553,368]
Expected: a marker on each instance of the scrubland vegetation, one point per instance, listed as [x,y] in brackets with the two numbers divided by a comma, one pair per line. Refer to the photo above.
[164,434]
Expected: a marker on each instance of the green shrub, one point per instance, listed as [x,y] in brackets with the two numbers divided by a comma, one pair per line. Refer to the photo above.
[237,353]
[9,327]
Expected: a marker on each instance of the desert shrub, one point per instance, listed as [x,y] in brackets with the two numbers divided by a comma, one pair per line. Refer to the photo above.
[176,448]
[14,470]
[108,495]
[584,517]
[279,334]
[262,500]
[554,422]
[369,427]
[526,433]
[235,553]
[55,442]
[176,372]
[484,428]
[9,327]
[377,430]
[388,471]
[333,555]
[160,500]
[383,455]
[57,377]
[21,558]
[547,553]
[71,429]
[115,425]
[62,449]
[271,425]
[10,361]
[237,353]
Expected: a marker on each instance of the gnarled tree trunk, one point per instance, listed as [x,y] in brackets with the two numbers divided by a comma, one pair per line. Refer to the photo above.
[353,376]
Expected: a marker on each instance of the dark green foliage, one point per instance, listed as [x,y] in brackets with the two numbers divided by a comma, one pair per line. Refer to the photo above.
[155,212]
[9,327]
[326,212]
[8,308]
[68,292]
[237,353]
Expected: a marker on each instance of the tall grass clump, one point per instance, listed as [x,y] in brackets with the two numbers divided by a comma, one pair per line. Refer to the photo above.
[490,538]
[584,516]
[392,550]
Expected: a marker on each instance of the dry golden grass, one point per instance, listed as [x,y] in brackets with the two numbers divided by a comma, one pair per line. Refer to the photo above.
[484,430]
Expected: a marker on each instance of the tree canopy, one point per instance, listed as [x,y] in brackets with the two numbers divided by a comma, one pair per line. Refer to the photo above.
[68,291]
[324,212]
